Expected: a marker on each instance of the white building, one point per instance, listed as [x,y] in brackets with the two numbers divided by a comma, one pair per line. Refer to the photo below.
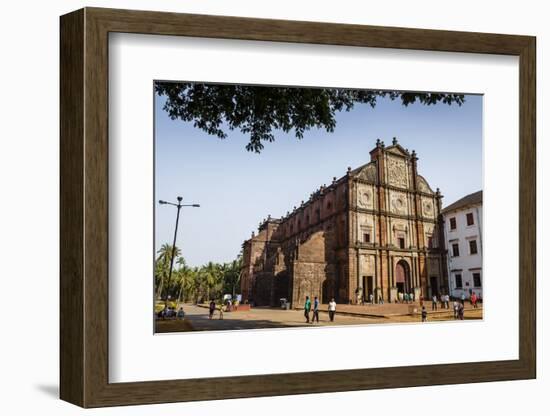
[464,244]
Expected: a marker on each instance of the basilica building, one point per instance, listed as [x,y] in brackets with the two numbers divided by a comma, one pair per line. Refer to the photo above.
[376,231]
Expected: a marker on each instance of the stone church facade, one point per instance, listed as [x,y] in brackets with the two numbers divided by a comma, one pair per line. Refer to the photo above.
[376,230]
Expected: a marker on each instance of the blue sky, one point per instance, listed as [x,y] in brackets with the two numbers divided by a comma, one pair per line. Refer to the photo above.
[237,188]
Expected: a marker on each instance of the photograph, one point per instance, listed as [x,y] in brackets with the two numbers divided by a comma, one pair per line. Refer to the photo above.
[293,206]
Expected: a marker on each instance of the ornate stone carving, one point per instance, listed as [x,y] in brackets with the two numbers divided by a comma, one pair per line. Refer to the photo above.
[398,202]
[427,208]
[364,196]
[397,172]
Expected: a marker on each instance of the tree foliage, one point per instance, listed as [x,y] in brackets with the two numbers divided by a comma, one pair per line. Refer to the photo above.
[259,111]
[195,284]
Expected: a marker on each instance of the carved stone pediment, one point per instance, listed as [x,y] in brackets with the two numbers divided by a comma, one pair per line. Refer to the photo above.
[368,173]
[397,150]
[422,185]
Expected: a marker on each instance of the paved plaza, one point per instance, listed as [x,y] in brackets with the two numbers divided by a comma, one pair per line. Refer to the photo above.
[196,317]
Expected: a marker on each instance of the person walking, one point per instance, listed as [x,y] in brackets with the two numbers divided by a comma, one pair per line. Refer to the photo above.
[211,309]
[424,314]
[434,302]
[331,309]
[461,312]
[455,309]
[447,301]
[474,300]
[307,308]
[315,310]
[462,298]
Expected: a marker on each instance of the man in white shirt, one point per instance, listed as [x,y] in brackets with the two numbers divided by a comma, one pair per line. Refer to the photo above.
[331,309]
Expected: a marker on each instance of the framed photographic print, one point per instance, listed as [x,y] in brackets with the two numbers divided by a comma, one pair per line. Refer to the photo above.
[255,207]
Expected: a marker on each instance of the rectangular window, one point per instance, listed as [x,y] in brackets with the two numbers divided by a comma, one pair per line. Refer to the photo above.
[452,223]
[473,246]
[456,252]
[477,279]
[469,219]
[366,238]
[401,242]
[458,281]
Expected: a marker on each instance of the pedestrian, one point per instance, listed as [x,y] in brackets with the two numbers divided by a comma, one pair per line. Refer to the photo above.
[447,301]
[461,312]
[406,297]
[315,310]
[462,298]
[455,309]
[331,309]
[474,299]
[371,299]
[221,310]
[380,300]
[307,308]
[424,314]
[434,302]
[180,314]
[211,309]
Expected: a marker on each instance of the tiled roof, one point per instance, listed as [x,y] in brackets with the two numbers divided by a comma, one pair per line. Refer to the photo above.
[472,199]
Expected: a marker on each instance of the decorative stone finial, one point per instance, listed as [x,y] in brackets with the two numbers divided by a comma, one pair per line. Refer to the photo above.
[378,142]
[349,169]
[394,141]
[333,179]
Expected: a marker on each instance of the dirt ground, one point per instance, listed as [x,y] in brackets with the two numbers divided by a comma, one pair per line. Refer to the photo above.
[197,319]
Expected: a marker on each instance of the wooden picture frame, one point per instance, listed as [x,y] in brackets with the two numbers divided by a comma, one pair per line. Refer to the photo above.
[84,207]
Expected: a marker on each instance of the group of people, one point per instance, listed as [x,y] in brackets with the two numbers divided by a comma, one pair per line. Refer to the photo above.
[458,309]
[405,297]
[169,312]
[442,299]
[308,308]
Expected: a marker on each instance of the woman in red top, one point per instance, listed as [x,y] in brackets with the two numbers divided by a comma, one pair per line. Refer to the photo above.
[474,300]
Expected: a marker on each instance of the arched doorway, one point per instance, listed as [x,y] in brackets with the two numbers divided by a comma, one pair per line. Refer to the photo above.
[403,277]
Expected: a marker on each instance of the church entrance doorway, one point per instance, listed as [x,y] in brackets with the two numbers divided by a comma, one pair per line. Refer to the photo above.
[434,286]
[403,277]
[368,287]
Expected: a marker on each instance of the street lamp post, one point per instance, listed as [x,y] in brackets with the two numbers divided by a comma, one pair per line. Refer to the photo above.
[179,205]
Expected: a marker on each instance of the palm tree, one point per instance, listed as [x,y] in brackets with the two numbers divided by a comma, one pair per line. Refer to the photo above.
[162,266]
[185,277]
[232,275]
